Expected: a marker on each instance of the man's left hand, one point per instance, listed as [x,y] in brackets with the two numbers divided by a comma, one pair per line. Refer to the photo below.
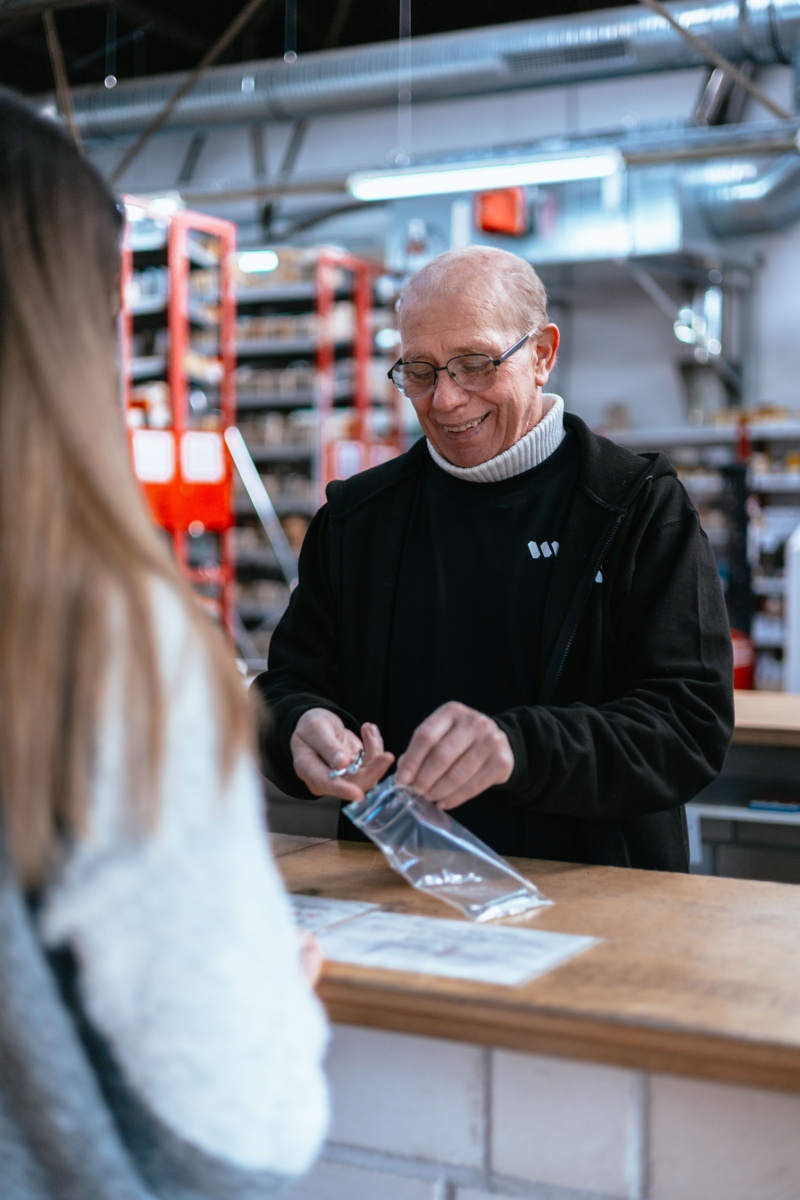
[455,754]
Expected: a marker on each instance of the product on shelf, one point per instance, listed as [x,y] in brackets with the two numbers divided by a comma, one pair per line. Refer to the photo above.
[766,437]
[313,398]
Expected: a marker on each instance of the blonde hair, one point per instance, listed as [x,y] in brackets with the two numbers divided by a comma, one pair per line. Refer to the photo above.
[76,540]
[510,284]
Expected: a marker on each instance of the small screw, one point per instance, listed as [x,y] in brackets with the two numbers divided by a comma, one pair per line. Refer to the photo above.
[350,769]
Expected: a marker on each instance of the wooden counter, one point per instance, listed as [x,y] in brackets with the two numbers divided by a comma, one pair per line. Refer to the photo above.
[767,719]
[697,976]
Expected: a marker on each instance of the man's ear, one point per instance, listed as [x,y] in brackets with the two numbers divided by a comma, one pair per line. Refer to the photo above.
[545,349]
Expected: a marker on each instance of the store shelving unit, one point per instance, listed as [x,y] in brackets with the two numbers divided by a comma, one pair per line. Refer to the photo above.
[769,451]
[178,356]
[313,407]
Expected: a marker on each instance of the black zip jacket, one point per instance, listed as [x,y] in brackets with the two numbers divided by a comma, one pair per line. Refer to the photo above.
[635,710]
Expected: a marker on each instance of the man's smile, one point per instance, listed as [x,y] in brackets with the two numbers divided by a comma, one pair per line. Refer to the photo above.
[463,428]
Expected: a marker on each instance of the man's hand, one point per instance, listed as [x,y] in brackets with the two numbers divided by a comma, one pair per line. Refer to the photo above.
[455,754]
[321,742]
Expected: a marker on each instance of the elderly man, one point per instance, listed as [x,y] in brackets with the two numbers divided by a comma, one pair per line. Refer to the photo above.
[525,616]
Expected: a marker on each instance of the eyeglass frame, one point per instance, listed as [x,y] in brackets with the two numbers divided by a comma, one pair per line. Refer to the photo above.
[496,362]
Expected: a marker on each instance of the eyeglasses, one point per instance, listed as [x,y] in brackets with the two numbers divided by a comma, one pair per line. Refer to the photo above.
[473,372]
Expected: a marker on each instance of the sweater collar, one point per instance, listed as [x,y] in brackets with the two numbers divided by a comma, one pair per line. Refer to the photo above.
[529,451]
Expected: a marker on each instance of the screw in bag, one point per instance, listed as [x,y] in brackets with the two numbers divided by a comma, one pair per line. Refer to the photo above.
[351,767]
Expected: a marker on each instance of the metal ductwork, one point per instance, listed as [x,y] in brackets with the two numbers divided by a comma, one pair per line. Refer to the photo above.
[544,53]
[760,204]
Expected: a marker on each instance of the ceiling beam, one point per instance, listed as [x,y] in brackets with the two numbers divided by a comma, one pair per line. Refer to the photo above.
[161,117]
[22,9]
[336,26]
[173,31]
[63,94]
[718,60]
[24,42]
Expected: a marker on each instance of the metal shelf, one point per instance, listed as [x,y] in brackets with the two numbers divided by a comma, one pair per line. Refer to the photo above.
[253,400]
[768,585]
[149,243]
[263,559]
[702,486]
[284,506]
[277,292]
[277,346]
[775,481]
[282,453]
[147,306]
[148,367]
[705,435]
[262,615]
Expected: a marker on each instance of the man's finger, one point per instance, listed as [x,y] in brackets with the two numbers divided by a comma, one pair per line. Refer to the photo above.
[327,735]
[427,737]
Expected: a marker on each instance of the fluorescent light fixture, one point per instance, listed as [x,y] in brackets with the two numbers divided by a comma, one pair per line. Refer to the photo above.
[166,205]
[254,262]
[135,212]
[482,176]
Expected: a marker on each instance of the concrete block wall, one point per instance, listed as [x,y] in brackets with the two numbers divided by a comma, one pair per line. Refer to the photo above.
[424,1119]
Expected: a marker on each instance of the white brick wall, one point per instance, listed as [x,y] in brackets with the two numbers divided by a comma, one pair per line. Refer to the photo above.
[426,1119]
[722,1143]
[419,1097]
[565,1123]
[340,1181]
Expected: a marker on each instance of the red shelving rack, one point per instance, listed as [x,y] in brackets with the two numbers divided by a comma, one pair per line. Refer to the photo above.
[177,443]
[362,446]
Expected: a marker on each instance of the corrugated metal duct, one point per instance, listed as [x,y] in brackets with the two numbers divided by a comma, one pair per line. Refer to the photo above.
[763,204]
[600,45]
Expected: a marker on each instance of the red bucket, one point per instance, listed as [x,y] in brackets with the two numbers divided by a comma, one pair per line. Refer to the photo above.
[743,660]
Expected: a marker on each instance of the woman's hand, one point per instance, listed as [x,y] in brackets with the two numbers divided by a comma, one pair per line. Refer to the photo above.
[311,958]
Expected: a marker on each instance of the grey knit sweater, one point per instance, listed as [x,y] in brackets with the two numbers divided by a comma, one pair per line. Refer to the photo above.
[157,1039]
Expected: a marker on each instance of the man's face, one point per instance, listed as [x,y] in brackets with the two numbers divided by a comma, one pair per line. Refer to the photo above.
[468,428]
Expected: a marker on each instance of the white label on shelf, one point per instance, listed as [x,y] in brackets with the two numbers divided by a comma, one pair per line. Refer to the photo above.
[202,460]
[153,455]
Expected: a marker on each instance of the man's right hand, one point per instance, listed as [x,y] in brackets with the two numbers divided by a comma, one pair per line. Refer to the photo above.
[322,743]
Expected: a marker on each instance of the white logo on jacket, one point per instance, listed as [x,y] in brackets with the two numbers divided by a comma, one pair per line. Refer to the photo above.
[543,549]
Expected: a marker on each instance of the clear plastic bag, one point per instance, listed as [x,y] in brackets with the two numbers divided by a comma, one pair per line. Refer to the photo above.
[436,854]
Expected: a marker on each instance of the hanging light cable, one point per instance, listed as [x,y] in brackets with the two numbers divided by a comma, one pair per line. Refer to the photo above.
[403,152]
[290,32]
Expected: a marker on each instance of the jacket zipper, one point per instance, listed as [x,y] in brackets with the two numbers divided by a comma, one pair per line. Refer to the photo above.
[597,566]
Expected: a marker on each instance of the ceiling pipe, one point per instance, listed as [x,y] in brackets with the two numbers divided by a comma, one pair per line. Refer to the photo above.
[764,204]
[639,148]
[543,53]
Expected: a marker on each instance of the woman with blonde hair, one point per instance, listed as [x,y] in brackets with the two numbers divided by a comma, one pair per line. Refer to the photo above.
[158,1037]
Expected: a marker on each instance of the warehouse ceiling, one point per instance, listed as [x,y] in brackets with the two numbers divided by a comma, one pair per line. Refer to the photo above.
[129,39]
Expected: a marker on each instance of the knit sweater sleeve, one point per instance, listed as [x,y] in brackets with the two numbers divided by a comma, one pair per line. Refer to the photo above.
[187,955]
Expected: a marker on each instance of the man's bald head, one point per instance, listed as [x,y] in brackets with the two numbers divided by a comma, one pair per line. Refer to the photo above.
[508,287]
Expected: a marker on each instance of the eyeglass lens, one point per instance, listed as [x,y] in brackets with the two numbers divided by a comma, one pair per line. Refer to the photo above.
[470,371]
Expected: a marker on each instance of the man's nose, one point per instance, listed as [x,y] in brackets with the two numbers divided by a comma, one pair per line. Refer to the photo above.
[447,394]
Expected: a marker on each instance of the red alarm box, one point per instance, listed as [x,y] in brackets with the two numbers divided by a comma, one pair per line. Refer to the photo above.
[502,211]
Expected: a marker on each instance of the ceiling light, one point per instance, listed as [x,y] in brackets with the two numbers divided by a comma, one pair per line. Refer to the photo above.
[166,205]
[256,261]
[482,176]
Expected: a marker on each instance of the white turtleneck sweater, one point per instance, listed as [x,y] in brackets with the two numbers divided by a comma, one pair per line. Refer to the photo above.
[529,451]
